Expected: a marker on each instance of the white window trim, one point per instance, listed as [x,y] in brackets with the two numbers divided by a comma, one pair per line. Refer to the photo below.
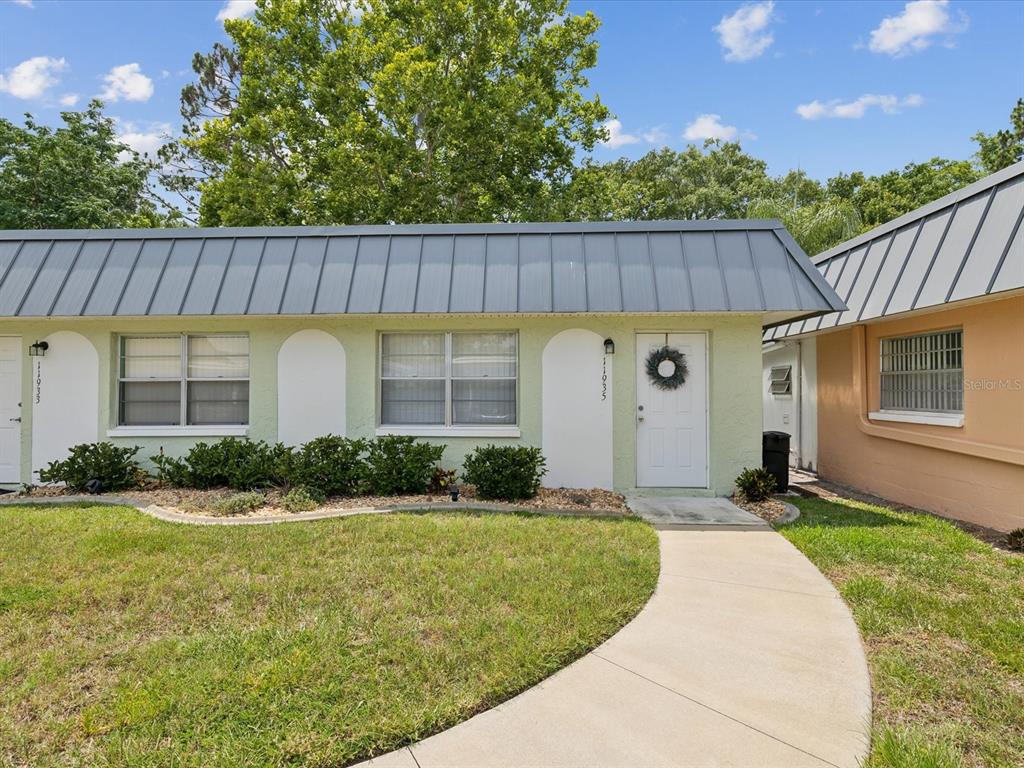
[421,430]
[934,418]
[447,429]
[184,429]
[226,430]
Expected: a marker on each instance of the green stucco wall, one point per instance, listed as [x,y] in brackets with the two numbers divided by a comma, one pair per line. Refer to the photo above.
[734,360]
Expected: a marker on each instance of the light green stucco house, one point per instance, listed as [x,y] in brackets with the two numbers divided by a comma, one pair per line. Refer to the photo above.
[462,334]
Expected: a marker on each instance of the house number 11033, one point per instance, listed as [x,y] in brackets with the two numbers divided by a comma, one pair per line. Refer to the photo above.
[39,380]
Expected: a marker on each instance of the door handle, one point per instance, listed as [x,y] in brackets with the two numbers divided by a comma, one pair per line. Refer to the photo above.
[16,418]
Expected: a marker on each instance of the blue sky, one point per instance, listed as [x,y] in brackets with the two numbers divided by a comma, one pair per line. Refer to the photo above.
[824,86]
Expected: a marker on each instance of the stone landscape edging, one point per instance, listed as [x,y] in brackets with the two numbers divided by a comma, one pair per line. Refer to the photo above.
[792,513]
[171,515]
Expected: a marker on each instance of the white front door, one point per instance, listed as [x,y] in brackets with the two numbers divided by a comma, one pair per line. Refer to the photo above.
[10,409]
[672,425]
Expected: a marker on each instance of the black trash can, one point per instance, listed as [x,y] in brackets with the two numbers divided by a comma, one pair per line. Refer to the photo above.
[775,458]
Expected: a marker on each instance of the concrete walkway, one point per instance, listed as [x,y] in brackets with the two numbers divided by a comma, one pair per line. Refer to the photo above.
[745,656]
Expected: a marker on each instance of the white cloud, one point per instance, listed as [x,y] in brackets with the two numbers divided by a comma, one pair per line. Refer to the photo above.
[656,135]
[616,138]
[236,9]
[745,35]
[915,28]
[33,77]
[855,109]
[69,99]
[127,82]
[710,127]
[25,3]
[145,139]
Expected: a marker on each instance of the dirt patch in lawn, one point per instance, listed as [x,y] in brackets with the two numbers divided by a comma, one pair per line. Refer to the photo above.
[208,502]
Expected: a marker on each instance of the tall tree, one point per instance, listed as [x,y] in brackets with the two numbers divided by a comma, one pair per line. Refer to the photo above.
[881,198]
[1004,147]
[716,182]
[75,176]
[322,111]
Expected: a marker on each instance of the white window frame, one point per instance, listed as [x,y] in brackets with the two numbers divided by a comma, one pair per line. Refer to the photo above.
[942,418]
[780,374]
[184,428]
[448,429]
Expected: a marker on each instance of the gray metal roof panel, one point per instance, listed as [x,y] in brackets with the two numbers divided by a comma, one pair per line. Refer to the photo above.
[435,276]
[204,284]
[746,266]
[1011,272]
[739,270]
[568,273]
[300,292]
[995,232]
[535,269]
[962,246]
[672,279]
[501,273]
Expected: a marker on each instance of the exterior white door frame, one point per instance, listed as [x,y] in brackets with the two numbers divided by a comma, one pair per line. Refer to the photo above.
[10,409]
[673,470]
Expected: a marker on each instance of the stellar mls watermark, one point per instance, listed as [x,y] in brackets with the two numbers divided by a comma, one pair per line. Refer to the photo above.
[993,385]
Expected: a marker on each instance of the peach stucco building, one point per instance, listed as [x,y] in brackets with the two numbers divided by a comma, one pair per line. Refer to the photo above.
[916,392]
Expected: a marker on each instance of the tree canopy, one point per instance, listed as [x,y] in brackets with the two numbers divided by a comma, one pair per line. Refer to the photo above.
[1005,147]
[420,110]
[75,176]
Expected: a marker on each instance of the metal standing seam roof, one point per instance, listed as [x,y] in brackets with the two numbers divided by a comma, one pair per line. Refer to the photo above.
[965,245]
[601,267]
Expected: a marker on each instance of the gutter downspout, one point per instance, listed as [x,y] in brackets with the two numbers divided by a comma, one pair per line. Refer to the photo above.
[940,442]
[799,404]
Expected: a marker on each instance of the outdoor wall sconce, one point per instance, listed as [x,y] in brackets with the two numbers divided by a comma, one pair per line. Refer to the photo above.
[38,349]
[609,347]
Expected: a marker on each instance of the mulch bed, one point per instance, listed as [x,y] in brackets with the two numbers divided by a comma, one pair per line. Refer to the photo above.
[768,510]
[195,502]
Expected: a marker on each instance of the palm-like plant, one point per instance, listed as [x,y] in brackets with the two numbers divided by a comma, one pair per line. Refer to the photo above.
[816,226]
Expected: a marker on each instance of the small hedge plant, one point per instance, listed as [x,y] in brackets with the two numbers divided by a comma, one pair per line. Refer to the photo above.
[302,499]
[1015,539]
[330,465]
[505,472]
[239,464]
[96,467]
[398,464]
[756,484]
[240,503]
[325,466]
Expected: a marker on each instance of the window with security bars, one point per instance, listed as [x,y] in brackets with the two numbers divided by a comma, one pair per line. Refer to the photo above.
[183,379]
[448,379]
[924,372]
[780,380]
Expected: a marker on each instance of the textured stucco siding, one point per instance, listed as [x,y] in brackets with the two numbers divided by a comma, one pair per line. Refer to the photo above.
[734,364]
[974,472]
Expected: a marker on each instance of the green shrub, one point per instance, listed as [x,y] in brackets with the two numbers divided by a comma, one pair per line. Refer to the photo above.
[1015,539]
[239,464]
[332,465]
[398,464]
[756,484]
[114,468]
[506,472]
[240,503]
[302,499]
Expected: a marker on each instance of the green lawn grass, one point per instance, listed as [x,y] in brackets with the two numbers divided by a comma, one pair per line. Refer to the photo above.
[129,641]
[942,617]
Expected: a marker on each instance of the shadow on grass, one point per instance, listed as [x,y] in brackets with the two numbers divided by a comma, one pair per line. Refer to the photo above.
[822,513]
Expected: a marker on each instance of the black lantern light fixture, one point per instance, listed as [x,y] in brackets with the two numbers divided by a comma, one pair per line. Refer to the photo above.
[609,347]
[38,349]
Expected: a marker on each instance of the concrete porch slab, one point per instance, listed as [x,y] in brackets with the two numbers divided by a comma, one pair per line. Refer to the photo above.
[666,512]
